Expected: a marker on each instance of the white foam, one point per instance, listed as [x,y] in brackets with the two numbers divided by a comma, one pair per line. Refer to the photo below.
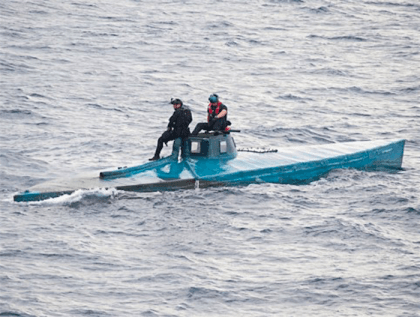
[79,195]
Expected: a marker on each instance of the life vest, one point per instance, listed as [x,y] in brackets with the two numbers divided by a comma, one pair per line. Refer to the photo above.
[217,110]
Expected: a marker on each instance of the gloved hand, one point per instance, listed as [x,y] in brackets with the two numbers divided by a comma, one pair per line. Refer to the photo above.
[169,129]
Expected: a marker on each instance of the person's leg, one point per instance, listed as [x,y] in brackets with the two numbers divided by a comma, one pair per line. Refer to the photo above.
[165,137]
[219,125]
[199,127]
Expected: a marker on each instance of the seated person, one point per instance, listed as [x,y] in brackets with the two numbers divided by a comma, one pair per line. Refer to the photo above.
[216,117]
[177,126]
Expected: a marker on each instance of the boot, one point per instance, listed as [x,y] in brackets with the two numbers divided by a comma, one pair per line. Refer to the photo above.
[154,158]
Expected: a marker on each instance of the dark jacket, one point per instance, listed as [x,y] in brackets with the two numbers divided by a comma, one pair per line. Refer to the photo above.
[180,120]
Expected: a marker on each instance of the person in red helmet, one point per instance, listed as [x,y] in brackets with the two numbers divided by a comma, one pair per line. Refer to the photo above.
[216,117]
[177,126]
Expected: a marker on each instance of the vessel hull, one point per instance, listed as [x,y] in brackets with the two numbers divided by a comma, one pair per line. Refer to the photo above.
[293,165]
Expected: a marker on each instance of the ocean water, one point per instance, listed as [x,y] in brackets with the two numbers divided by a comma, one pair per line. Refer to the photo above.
[86,85]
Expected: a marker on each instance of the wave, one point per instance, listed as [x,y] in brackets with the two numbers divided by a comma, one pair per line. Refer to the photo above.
[351,38]
[80,198]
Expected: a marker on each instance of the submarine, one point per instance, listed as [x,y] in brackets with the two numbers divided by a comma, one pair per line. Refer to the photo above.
[212,159]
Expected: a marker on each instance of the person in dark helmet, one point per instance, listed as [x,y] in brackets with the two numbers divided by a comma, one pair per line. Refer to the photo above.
[177,126]
[216,117]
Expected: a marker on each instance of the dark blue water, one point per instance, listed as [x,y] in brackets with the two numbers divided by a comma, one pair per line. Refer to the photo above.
[85,85]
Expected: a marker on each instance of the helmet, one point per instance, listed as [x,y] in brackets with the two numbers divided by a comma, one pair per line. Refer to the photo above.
[176,101]
[213,98]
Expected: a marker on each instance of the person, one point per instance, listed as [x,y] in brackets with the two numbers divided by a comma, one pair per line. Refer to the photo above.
[216,117]
[177,126]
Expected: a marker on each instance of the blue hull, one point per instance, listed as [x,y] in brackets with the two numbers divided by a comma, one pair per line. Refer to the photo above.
[303,164]
[213,161]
